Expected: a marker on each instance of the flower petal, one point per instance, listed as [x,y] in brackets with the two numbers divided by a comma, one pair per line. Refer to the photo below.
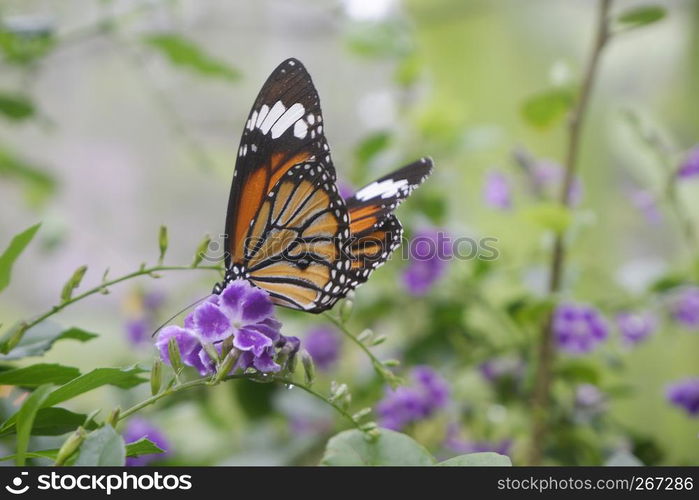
[186,341]
[247,339]
[210,323]
[265,362]
[257,307]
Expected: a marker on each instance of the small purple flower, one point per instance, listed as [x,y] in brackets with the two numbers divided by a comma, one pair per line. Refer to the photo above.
[143,313]
[635,327]
[646,203]
[153,300]
[345,189]
[578,328]
[138,428]
[456,443]
[589,397]
[684,307]
[429,251]
[241,317]
[690,167]
[547,177]
[323,344]
[685,394]
[428,393]
[496,190]
[138,330]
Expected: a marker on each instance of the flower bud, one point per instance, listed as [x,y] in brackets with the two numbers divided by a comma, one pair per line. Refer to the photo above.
[173,351]
[361,414]
[162,243]
[365,335]
[13,337]
[225,367]
[201,251]
[379,340]
[70,446]
[337,392]
[156,377]
[73,283]
[211,351]
[391,362]
[113,417]
[309,368]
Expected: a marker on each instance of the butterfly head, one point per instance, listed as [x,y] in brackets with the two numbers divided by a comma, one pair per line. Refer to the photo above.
[233,273]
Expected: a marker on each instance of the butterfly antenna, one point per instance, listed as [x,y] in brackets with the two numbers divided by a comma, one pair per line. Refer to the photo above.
[178,313]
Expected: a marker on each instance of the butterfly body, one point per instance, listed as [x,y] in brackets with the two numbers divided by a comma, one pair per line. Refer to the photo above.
[288,230]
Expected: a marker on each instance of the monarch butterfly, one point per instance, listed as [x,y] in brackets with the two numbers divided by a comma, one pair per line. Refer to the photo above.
[288,230]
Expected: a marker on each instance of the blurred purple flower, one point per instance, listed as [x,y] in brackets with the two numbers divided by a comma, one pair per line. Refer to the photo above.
[685,394]
[588,396]
[428,393]
[138,330]
[496,190]
[502,367]
[690,167]
[547,177]
[429,253]
[646,203]
[142,322]
[684,307]
[578,328]
[635,327]
[153,300]
[138,428]
[243,315]
[345,189]
[456,443]
[323,344]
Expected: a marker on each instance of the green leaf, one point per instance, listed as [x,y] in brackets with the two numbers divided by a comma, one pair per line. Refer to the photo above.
[39,339]
[380,40]
[389,448]
[551,216]
[13,251]
[637,17]
[50,422]
[25,420]
[487,459]
[73,283]
[26,46]
[103,447]
[124,379]
[186,54]
[38,184]
[42,373]
[162,243]
[371,146]
[142,447]
[16,107]
[579,372]
[544,109]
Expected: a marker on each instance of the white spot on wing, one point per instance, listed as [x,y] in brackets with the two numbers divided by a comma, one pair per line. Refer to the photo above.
[263,114]
[273,115]
[300,129]
[287,119]
[385,189]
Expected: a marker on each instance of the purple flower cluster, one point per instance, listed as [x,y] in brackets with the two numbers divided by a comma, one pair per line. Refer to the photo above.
[407,404]
[636,327]
[138,428]
[684,307]
[143,319]
[685,394]
[242,318]
[690,167]
[430,250]
[578,328]
[496,190]
[323,344]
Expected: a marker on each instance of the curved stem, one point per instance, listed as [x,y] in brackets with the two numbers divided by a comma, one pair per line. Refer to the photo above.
[546,348]
[318,395]
[383,372]
[105,284]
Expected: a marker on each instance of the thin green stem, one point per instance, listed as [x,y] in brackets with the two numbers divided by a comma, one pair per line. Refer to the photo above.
[546,349]
[388,376]
[106,284]
[318,395]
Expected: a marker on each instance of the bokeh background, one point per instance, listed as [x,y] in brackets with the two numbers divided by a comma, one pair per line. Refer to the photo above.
[116,128]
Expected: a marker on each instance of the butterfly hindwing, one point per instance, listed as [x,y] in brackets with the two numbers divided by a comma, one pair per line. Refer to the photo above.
[284,128]
[294,248]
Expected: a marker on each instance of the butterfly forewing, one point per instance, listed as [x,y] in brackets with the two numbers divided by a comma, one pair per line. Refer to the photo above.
[284,128]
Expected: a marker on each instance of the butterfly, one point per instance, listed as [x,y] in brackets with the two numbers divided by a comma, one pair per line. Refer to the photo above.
[288,230]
